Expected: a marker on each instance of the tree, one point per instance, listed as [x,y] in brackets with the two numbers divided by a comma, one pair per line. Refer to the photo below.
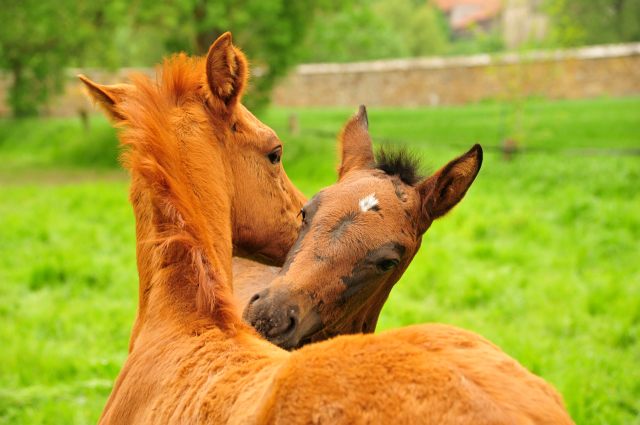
[269,31]
[579,22]
[277,34]
[352,34]
[42,37]
[418,23]
[39,38]
[377,29]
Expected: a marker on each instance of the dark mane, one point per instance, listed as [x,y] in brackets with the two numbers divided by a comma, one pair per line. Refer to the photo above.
[400,162]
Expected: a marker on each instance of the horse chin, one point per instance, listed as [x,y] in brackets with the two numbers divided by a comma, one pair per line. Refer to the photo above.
[310,327]
[304,342]
[319,336]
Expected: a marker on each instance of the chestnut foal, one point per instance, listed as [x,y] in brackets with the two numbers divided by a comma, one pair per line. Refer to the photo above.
[357,239]
[188,137]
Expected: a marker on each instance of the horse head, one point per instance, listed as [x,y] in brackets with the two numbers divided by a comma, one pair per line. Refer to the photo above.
[207,182]
[217,141]
[357,239]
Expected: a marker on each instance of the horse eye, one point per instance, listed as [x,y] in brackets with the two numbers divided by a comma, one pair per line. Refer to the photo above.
[233,128]
[386,265]
[274,157]
[303,214]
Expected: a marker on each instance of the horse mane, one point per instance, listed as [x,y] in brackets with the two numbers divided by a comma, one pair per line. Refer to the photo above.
[401,162]
[152,152]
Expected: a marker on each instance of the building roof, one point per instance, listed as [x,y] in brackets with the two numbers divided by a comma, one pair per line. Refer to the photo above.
[463,13]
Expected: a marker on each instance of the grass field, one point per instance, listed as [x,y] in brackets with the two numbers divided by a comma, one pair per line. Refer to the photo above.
[542,256]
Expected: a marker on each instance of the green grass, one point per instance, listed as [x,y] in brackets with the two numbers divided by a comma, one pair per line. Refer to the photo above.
[541,257]
[67,299]
[601,123]
[55,143]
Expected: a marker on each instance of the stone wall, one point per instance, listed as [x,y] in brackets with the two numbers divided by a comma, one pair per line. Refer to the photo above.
[612,70]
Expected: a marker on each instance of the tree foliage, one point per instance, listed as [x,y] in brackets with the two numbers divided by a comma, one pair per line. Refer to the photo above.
[419,24]
[580,22]
[270,32]
[377,29]
[39,38]
[353,34]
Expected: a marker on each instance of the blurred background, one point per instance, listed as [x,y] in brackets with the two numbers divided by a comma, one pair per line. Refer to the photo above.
[542,256]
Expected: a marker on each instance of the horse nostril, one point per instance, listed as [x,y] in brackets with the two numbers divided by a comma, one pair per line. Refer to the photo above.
[292,325]
[255,307]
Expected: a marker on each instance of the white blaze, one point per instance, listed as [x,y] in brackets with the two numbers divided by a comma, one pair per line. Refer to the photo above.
[369,202]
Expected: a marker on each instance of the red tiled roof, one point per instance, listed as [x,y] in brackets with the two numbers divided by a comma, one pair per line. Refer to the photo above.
[477,10]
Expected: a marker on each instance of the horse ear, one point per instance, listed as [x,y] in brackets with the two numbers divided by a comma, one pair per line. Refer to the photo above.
[107,97]
[226,70]
[357,150]
[443,190]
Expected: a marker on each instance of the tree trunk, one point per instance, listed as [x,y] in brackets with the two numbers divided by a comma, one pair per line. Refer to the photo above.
[19,94]
[204,38]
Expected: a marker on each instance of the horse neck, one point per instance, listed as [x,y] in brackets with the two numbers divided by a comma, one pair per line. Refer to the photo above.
[168,282]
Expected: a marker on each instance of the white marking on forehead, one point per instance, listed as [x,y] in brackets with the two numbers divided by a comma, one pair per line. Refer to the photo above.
[369,202]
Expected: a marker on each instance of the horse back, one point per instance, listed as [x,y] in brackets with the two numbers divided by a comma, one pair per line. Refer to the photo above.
[419,374]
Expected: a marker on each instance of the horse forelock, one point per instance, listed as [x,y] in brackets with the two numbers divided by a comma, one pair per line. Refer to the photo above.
[153,150]
[401,162]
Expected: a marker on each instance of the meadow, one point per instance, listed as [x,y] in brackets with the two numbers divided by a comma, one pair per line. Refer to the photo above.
[542,257]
